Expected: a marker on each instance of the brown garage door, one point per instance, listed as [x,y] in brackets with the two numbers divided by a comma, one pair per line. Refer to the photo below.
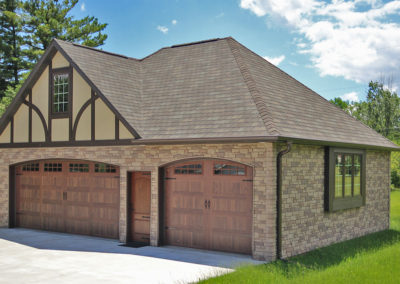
[208,205]
[77,197]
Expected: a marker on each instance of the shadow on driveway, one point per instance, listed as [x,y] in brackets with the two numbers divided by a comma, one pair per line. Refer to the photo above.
[66,242]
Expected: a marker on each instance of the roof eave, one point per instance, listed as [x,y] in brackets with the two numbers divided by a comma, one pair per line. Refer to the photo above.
[305,141]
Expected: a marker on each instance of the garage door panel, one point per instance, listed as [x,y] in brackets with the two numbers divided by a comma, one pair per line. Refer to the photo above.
[102,229]
[186,201]
[29,220]
[187,238]
[226,242]
[187,220]
[69,197]
[105,214]
[208,205]
[52,222]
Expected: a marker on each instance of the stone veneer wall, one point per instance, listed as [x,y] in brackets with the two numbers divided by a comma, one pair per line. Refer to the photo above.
[305,224]
[148,158]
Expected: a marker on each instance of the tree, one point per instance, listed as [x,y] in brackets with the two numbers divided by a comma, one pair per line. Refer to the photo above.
[12,59]
[383,113]
[27,28]
[48,19]
[344,105]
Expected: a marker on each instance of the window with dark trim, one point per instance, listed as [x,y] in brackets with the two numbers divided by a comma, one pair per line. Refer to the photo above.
[104,168]
[79,168]
[53,167]
[346,175]
[34,167]
[191,169]
[60,93]
[231,170]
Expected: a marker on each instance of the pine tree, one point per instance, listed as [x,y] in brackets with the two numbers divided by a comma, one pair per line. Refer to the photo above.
[48,19]
[27,28]
[12,60]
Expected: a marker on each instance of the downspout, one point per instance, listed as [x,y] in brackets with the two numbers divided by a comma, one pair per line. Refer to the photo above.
[279,199]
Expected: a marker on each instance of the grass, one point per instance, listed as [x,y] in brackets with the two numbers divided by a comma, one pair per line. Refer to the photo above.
[371,259]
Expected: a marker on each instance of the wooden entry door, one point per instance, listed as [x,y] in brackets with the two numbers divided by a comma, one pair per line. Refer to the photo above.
[78,197]
[208,205]
[139,207]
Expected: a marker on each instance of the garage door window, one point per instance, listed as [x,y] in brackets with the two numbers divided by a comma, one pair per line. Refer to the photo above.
[191,169]
[31,167]
[79,168]
[231,170]
[53,167]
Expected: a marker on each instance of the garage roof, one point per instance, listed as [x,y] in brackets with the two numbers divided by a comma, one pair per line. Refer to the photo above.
[214,89]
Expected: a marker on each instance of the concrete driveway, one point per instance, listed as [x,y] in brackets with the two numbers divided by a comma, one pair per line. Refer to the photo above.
[29,256]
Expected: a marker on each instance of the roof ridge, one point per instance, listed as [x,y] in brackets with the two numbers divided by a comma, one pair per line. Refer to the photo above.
[96,49]
[254,92]
[195,42]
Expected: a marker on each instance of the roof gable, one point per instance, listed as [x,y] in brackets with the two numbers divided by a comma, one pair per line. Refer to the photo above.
[55,52]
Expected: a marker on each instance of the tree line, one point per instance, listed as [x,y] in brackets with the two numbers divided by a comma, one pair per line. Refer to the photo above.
[26,30]
[381,112]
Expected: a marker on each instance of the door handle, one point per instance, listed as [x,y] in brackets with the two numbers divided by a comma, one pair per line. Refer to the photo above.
[208,203]
[205,204]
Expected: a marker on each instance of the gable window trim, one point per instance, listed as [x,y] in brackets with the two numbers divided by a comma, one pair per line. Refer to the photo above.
[346,201]
[54,72]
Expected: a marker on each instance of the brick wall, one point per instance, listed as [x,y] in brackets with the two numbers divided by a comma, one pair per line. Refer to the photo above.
[305,224]
[149,158]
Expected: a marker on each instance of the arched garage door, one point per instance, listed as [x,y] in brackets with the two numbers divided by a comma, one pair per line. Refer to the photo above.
[77,197]
[208,205]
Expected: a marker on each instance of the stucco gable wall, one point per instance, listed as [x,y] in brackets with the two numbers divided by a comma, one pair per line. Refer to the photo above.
[305,223]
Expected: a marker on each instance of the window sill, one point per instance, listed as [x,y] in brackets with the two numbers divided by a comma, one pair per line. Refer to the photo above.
[347,203]
[60,115]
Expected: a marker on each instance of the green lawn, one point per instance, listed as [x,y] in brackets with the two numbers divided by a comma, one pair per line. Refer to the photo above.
[371,259]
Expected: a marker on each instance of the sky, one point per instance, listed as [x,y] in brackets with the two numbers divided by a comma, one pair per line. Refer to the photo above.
[333,47]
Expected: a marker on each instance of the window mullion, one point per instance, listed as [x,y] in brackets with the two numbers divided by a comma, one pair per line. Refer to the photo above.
[352,175]
[343,174]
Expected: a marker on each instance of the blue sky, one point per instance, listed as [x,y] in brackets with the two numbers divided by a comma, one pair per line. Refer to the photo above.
[333,47]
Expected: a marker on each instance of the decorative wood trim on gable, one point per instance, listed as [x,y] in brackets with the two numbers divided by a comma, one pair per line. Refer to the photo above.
[27,98]
[39,113]
[30,116]
[98,92]
[116,128]
[90,102]
[93,116]
[12,130]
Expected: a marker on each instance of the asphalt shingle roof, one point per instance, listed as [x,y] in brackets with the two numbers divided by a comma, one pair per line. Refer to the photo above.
[215,89]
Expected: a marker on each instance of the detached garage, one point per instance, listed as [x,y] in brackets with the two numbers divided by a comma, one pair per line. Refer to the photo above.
[203,145]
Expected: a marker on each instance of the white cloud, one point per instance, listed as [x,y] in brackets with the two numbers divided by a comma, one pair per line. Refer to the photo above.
[83,7]
[162,29]
[220,15]
[355,39]
[275,60]
[174,22]
[352,97]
